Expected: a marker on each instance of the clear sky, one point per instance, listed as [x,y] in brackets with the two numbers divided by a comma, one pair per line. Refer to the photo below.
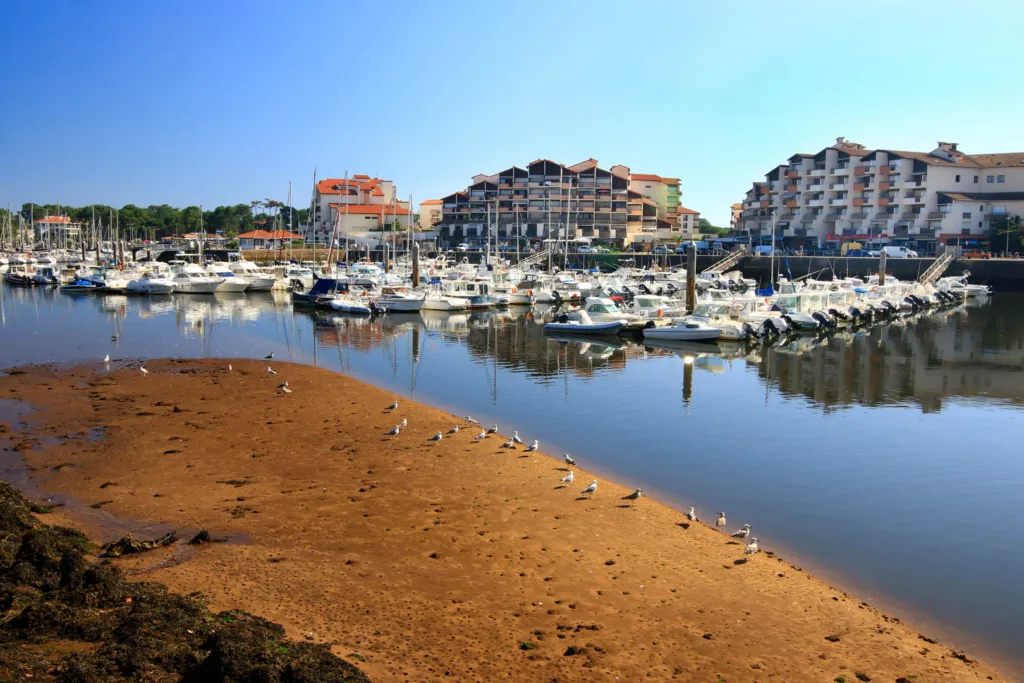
[221,102]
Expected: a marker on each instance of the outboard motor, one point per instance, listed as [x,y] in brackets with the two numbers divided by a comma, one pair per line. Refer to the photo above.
[823,321]
[855,313]
[889,309]
[644,289]
[910,299]
[789,321]
[557,297]
[838,315]
[749,332]
[770,329]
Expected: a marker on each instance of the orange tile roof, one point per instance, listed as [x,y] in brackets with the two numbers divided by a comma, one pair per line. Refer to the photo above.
[267,235]
[372,209]
[362,182]
[55,219]
[683,209]
[426,202]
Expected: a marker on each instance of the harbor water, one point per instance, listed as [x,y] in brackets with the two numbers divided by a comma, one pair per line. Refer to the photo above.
[889,461]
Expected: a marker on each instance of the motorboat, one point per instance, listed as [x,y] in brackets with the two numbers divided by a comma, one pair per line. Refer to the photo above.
[20,275]
[191,279]
[255,277]
[151,283]
[602,310]
[230,282]
[686,329]
[579,322]
[79,286]
[958,285]
[435,300]
[109,279]
[718,315]
[299,279]
[46,274]
[651,306]
[476,293]
[400,299]
[355,305]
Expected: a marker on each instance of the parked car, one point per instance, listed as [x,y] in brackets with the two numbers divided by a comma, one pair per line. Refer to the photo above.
[894,252]
[858,252]
[661,249]
[602,250]
[977,253]
[586,250]
[462,247]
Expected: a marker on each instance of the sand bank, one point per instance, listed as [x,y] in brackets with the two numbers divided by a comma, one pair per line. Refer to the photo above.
[421,560]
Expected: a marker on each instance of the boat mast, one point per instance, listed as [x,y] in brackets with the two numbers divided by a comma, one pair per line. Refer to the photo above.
[771,265]
[345,195]
[312,218]
[291,223]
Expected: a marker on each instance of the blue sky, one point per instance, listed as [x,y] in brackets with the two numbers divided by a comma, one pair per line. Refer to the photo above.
[223,102]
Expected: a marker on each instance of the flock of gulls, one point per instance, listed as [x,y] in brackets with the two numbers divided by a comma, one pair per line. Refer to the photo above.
[743,533]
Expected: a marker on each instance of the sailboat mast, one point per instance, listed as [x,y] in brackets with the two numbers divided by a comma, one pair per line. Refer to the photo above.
[291,223]
[312,217]
[345,195]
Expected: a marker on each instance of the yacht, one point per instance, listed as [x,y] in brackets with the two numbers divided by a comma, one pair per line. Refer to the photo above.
[435,300]
[109,279]
[150,282]
[229,281]
[603,310]
[718,315]
[20,275]
[579,322]
[191,279]
[651,306]
[400,299]
[299,278]
[958,285]
[686,329]
[255,277]
[475,293]
[46,274]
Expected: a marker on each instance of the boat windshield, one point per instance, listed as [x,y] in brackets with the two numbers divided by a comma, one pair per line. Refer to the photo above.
[789,302]
[598,308]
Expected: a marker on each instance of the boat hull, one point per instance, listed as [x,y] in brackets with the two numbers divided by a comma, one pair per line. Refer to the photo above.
[612,327]
[703,334]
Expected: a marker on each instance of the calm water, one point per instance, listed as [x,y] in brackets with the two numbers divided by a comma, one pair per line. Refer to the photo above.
[889,461]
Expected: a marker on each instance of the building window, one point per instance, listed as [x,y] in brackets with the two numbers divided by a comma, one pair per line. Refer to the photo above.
[979,224]
[957,179]
[1000,179]
[990,179]
[975,179]
[967,214]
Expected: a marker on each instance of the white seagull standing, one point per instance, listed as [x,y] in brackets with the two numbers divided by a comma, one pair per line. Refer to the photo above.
[721,521]
[751,547]
[634,497]
[590,490]
[437,437]
[568,459]
[691,515]
[393,406]
[533,446]
[493,429]
[481,435]
[395,431]
[270,371]
[106,359]
[568,479]
[472,421]
[742,533]
[284,388]
[509,444]
[404,423]
[515,437]
[454,429]
[143,370]
[229,367]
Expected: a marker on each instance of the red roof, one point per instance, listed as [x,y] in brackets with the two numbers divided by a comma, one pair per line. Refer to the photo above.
[55,219]
[683,209]
[267,235]
[651,176]
[430,202]
[372,209]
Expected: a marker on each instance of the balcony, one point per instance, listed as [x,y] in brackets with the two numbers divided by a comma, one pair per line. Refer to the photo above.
[910,215]
[839,201]
[793,174]
[862,170]
[858,202]
[792,188]
[917,182]
[911,199]
[884,185]
[816,187]
[818,173]
[816,202]
[839,186]
[791,203]
[841,170]
[883,201]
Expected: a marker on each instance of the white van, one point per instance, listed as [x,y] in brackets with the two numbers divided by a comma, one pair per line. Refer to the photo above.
[899,252]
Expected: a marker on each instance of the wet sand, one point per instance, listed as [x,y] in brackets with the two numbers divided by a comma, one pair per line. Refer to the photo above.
[421,560]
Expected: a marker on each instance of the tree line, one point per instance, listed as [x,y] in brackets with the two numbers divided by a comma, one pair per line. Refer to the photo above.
[154,222]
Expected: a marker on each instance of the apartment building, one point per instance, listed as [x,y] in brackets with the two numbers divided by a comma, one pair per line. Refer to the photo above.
[849,193]
[356,205]
[736,216]
[430,214]
[56,228]
[689,222]
[548,200]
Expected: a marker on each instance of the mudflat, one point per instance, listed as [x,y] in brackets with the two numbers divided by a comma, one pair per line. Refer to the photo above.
[430,560]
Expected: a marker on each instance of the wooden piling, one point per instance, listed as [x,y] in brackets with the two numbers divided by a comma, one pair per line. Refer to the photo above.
[691,278]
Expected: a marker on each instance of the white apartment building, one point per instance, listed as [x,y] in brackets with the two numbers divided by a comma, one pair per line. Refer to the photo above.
[357,206]
[849,193]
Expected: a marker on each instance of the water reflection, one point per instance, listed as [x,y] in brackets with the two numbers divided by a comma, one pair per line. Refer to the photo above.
[801,438]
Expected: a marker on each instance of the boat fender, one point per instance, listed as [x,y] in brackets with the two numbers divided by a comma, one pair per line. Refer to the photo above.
[660,313]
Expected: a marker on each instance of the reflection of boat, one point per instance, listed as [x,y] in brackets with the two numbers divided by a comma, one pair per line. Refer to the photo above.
[612,342]
[579,322]
[688,329]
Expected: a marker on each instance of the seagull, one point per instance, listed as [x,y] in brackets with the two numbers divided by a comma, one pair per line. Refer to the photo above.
[721,520]
[404,423]
[454,429]
[742,533]
[269,356]
[393,406]
[493,429]
[285,389]
[533,446]
[515,437]
[270,370]
[481,435]
[229,367]
[395,431]
[568,459]
[590,490]
[633,497]
[282,385]
[472,421]
[751,547]
[509,444]
[568,479]
[437,437]
[106,359]
[691,515]
[144,370]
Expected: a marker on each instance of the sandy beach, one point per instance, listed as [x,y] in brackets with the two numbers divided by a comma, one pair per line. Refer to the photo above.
[430,560]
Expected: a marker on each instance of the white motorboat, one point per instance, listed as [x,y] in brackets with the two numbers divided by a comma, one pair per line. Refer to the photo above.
[579,322]
[653,306]
[255,277]
[109,279]
[603,310]
[356,305]
[150,283]
[718,315]
[191,279]
[437,301]
[229,281]
[46,274]
[400,300]
[298,278]
[687,329]
[958,285]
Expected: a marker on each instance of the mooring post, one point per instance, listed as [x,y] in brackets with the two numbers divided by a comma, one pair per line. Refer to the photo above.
[415,264]
[691,278]
[881,269]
